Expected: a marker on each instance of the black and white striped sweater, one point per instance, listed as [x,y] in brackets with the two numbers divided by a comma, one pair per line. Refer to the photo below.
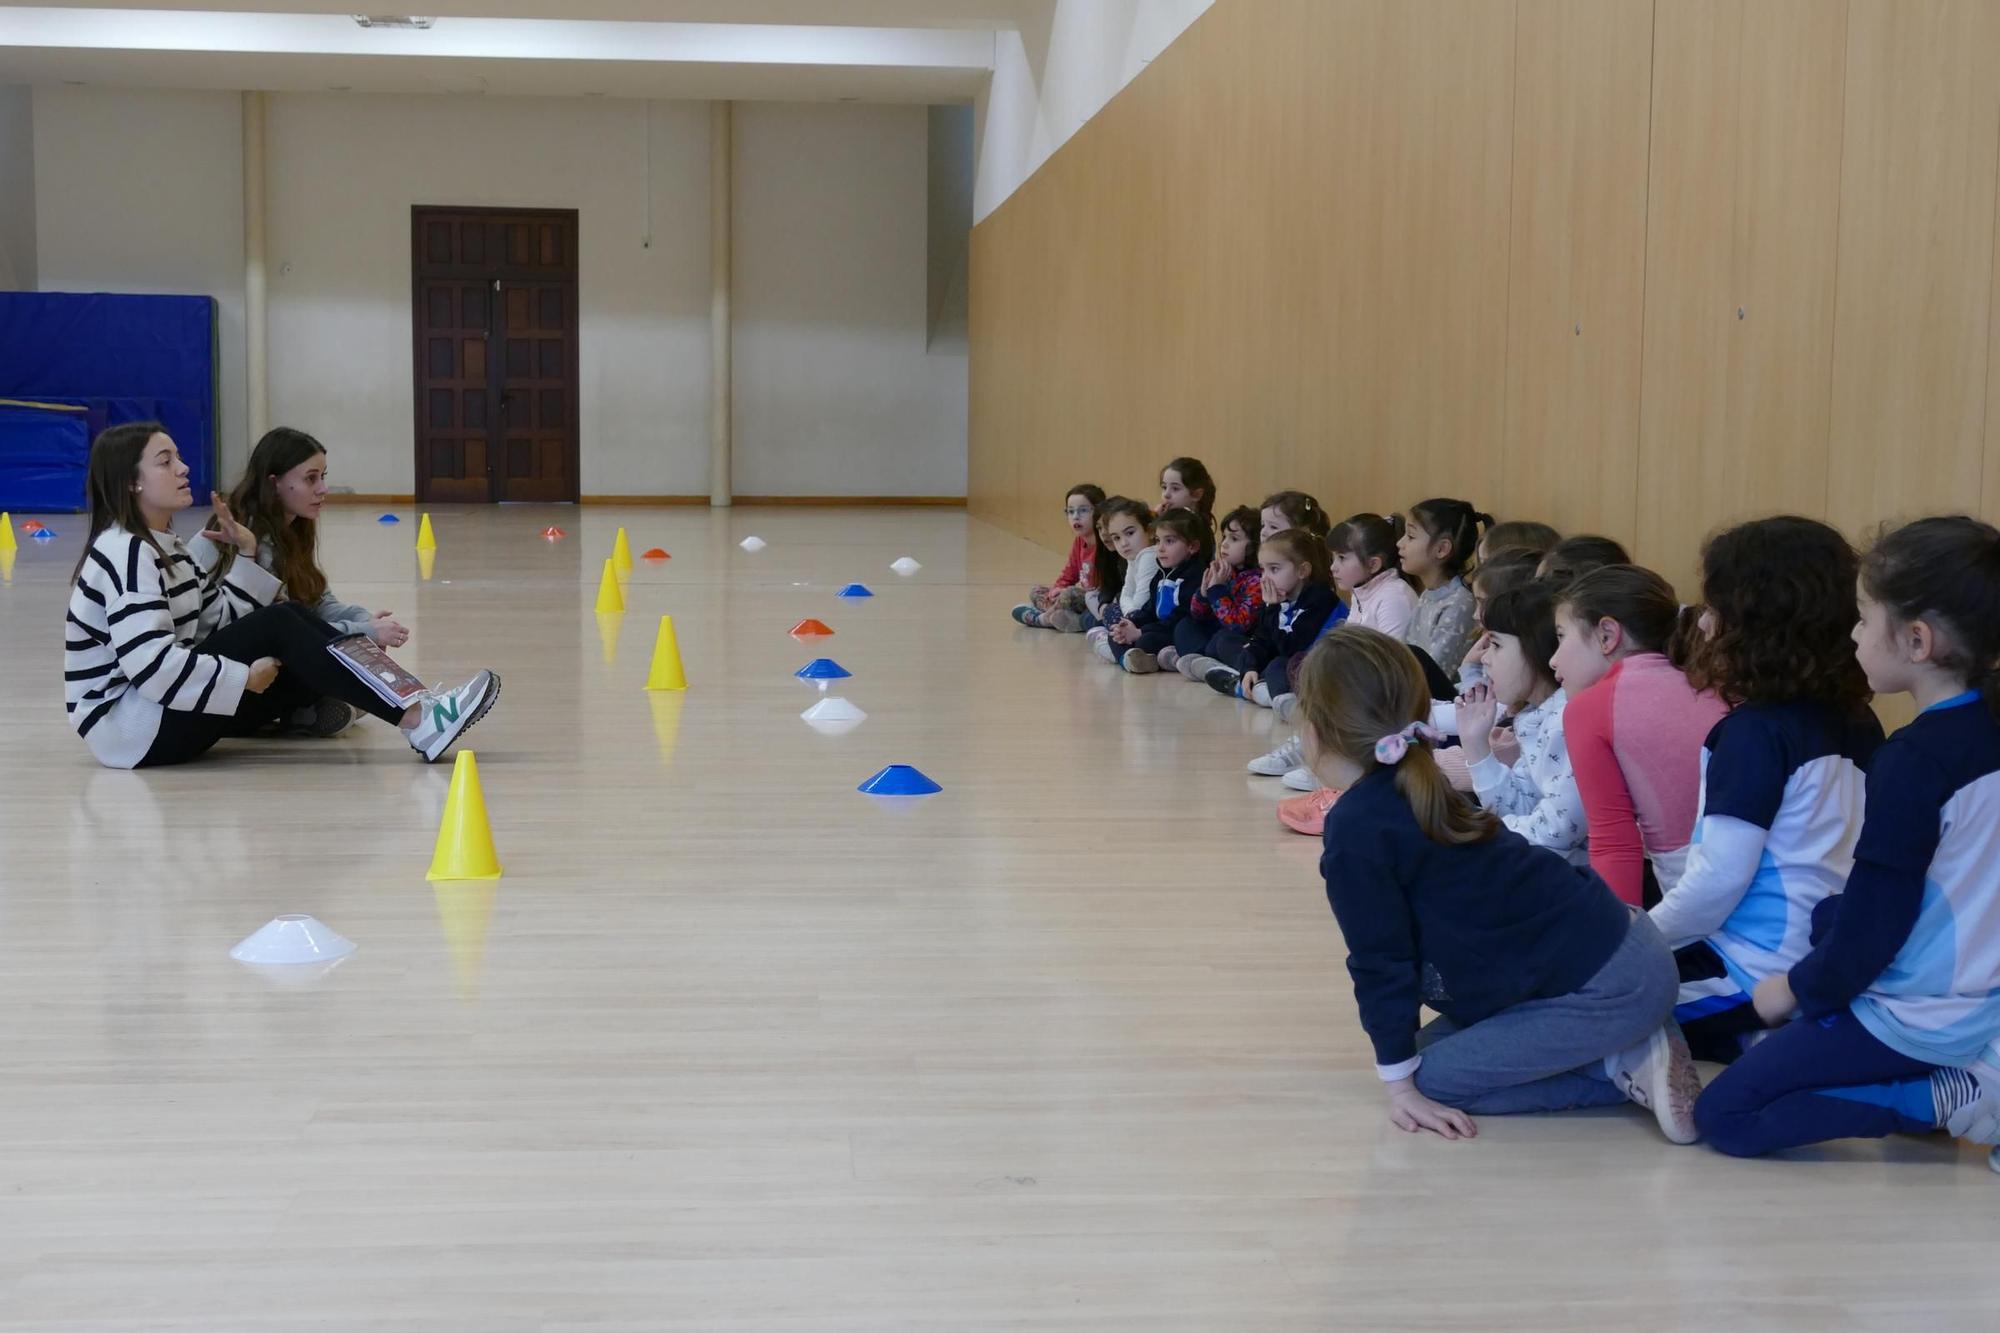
[137,614]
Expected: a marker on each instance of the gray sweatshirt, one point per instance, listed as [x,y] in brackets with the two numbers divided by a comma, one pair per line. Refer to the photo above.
[343,617]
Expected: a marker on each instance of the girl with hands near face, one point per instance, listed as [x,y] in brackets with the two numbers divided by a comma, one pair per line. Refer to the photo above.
[1125,526]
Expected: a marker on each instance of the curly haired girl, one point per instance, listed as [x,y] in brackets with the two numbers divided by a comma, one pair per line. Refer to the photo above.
[1782,772]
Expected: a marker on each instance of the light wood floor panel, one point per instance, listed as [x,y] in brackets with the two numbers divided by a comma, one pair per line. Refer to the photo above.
[732,1047]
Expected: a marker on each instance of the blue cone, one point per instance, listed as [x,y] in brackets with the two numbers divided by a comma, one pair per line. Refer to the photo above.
[899,780]
[822,668]
[388,518]
[43,535]
[855,590]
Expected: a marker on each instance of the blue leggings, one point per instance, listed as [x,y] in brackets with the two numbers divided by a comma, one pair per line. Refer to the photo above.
[1813,1080]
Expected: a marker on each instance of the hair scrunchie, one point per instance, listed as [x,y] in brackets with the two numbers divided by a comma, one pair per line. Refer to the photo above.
[1391,749]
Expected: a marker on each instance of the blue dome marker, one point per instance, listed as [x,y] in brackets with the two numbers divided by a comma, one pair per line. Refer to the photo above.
[855,590]
[388,518]
[822,668]
[899,780]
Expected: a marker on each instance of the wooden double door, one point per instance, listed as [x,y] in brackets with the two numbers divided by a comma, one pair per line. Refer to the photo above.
[495,330]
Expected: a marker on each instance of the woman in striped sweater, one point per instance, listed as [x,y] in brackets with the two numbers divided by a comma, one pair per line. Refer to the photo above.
[162,661]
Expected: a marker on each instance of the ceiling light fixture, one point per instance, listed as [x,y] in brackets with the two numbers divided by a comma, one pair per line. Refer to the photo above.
[393,21]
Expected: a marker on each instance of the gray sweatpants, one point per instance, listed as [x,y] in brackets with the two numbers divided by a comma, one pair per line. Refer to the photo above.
[1548,1055]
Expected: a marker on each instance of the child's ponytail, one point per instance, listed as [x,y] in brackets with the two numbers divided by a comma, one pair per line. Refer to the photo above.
[1363,698]
[1457,522]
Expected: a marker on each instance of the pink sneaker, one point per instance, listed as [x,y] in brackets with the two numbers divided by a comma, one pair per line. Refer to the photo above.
[1307,814]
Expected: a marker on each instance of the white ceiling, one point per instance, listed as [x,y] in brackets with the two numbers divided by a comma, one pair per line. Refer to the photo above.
[857,50]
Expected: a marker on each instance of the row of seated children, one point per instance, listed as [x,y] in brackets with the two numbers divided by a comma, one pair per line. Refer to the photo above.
[1717,769]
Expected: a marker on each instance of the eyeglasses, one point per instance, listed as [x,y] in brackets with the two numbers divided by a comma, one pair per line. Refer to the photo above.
[1082,511]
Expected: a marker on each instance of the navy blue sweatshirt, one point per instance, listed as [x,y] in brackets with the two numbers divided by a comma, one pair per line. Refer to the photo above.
[1285,628]
[1173,594]
[1929,836]
[1469,929]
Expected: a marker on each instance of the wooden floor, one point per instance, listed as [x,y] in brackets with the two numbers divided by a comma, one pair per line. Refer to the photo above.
[731,1047]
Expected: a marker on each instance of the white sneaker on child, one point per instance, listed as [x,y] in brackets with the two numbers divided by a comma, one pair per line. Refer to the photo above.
[1286,706]
[1301,779]
[1100,643]
[1279,761]
[1659,1074]
[1260,694]
[445,715]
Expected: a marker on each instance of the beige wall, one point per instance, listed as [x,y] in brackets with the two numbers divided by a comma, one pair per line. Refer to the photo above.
[1498,248]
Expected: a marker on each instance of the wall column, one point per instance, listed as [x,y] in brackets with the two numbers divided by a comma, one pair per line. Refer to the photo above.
[720,190]
[257,376]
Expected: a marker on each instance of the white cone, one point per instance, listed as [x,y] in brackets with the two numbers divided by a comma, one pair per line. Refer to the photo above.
[752,543]
[906,566]
[833,708]
[293,939]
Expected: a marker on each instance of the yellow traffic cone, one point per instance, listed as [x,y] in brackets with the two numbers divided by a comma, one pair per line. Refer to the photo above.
[426,539]
[608,596]
[7,541]
[621,555]
[666,673]
[427,563]
[465,839]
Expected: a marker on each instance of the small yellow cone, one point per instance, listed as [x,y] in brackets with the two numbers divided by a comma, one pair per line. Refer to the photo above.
[427,563]
[426,539]
[621,554]
[608,625]
[465,839]
[465,911]
[7,540]
[666,673]
[608,597]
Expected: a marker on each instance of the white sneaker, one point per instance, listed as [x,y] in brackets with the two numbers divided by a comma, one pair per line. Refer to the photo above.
[1286,706]
[1279,761]
[1100,643]
[445,715]
[1659,1074]
[1260,694]
[1302,779]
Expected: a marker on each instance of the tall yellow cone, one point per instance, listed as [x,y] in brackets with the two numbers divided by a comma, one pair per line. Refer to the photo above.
[621,554]
[666,672]
[465,839]
[7,541]
[608,596]
[426,539]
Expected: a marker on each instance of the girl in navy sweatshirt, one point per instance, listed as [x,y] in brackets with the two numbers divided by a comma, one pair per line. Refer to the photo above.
[1900,992]
[1298,599]
[1182,543]
[1552,993]
[1224,612]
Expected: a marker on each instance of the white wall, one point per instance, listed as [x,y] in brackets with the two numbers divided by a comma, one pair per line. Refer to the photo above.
[139,191]
[835,392]
[343,173]
[1067,59]
[17,190]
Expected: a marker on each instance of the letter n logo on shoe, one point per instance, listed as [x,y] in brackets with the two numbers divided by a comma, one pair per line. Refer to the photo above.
[444,712]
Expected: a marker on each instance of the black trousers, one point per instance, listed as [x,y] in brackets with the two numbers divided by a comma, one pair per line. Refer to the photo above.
[297,639]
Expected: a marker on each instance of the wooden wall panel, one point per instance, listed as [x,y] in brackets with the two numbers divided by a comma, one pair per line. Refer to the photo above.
[1742,221]
[1910,357]
[1578,268]
[1347,245]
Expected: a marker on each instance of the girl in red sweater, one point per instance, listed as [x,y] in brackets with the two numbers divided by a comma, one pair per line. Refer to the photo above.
[1059,605]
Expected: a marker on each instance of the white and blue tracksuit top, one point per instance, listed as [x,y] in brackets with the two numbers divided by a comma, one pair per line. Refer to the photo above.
[1914,942]
[1782,790]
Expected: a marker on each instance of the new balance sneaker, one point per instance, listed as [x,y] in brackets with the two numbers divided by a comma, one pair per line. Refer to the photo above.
[445,715]
[1659,1074]
[1301,779]
[1223,680]
[1140,662]
[1279,761]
